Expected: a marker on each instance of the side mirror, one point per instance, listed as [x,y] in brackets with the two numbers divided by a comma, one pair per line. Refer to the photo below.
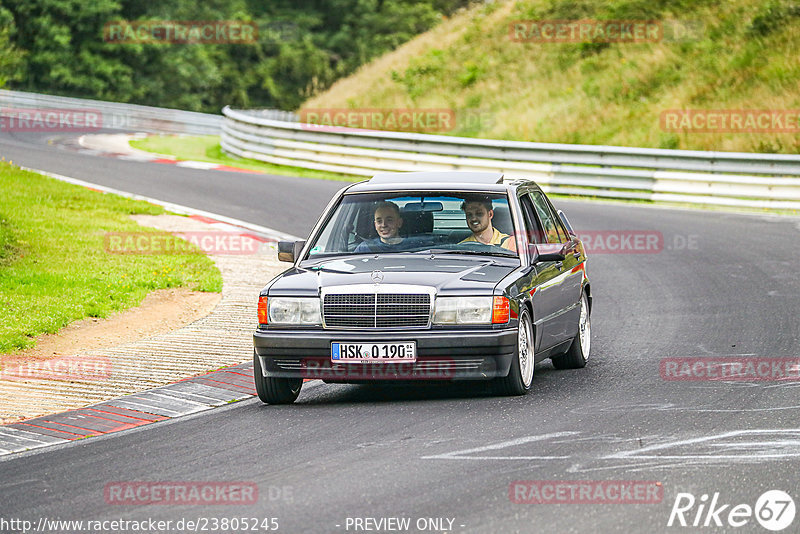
[564,219]
[547,252]
[290,250]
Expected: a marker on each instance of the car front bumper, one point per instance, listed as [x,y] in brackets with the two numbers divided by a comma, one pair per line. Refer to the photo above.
[456,354]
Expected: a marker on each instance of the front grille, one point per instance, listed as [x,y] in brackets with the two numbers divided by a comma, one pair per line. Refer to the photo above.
[383,310]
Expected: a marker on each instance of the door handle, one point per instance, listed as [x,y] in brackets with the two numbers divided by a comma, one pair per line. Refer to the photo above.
[560,265]
[577,254]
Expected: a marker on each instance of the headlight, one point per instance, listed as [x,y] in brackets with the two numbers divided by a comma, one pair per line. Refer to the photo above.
[294,311]
[463,310]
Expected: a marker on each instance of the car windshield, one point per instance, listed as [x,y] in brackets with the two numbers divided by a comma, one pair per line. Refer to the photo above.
[424,222]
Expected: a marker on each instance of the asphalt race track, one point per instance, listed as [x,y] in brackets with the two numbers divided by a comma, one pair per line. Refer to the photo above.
[718,285]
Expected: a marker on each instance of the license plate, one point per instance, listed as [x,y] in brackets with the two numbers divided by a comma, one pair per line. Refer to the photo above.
[374,352]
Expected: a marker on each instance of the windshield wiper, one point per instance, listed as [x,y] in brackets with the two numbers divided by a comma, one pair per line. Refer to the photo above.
[467,252]
[327,269]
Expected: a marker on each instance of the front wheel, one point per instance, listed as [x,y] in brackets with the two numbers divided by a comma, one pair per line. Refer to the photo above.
[273,390]
[578,353]
[520,376]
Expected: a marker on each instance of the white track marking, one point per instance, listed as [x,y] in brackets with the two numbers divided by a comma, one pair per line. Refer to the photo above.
[177,208]
[460,455]
[772,449]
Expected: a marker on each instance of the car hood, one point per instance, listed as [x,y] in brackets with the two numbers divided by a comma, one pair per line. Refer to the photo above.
[445,273]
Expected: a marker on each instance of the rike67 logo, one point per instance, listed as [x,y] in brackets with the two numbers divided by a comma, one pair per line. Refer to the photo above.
[774,510]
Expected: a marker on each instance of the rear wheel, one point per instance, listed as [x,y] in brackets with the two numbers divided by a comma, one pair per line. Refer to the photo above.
[520,376]
[578,353]
[273,390]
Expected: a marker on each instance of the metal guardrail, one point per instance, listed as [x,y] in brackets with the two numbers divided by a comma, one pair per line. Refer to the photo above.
[115,116]
[724,178]
[695,177]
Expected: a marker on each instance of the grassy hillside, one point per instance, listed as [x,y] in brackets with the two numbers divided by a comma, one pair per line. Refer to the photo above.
[744,56]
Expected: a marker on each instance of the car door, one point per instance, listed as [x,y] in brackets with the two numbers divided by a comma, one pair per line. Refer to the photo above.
[562,293]
[572,285]
[543,287]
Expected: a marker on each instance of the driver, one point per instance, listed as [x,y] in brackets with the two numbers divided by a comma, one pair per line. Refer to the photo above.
[478,212]
[388,222]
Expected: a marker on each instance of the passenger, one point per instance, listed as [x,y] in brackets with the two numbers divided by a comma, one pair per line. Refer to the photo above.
[388,222]
[479,212]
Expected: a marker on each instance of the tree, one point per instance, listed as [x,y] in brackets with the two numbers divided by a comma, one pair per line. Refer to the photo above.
[11,58]
[57,46]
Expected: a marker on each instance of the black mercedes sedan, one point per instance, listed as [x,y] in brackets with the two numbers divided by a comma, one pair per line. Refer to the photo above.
[426,276]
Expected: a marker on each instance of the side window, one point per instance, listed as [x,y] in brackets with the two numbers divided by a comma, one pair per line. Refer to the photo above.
[543,211]
[562,230]
[336,234]
[535,234]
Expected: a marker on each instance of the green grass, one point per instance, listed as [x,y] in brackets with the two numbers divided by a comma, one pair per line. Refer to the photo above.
[54,268]
[207,148]
[743,55]
[6,241]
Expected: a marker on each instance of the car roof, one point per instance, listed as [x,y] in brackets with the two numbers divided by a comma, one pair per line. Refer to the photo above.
[460,177]
[436,181]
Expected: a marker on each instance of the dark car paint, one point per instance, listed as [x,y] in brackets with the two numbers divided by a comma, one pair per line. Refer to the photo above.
[550,289]
[450,274]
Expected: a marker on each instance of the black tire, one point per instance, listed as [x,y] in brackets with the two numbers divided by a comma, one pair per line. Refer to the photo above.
[575,358]
[275,390]
[514,384]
